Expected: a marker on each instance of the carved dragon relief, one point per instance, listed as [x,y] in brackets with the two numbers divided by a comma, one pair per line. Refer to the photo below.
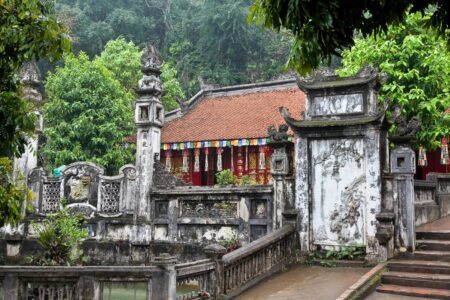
[345,216]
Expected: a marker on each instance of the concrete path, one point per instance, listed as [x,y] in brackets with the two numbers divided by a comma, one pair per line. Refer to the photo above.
[441,225]
[303,282]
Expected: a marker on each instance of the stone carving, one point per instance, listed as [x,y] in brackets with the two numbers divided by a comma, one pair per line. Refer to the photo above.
[51,194]
[110,197]
[31,79]
[51,291]
[278,136]
[84,209]
[337,104]
[347,214]
[208,209]
[150,84]
[162,179]
[337,156]
[402,126]
[81,182]
[150,60]
[259,209]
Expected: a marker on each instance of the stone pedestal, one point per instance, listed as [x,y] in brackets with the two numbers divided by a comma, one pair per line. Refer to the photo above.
[283,189]
[164,283]
[215,252]
[403,162]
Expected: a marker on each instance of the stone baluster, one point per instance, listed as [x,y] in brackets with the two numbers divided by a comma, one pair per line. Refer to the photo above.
[216,252]
[164,283]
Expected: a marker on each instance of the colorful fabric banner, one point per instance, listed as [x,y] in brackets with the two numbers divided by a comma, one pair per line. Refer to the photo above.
[186,161]
[422,161]
[168,160]
[218,144]
[197,160]
[262,158]
[219,159]
[206,159]
[444,152]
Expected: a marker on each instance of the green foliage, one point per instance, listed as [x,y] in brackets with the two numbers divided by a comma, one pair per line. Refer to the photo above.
[418,65]
[60,235]
[14,195]
[323,28]
[210,38]
[172,87]
[247,180]
[232,243]
[226,177]
[28,30]
[122,58]
[88,114]
[326,257]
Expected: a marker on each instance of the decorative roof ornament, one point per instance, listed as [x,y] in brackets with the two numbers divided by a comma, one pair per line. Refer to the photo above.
[151,62]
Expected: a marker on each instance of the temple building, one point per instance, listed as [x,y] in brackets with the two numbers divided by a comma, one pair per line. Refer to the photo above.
[227,128]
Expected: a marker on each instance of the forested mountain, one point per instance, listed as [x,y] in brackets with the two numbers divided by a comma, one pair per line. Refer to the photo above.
[207,38]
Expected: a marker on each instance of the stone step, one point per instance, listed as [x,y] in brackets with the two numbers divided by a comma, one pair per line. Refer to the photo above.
[438,245]
[434,281]
[414,291]
[430,255]
[420,266]
[433,235]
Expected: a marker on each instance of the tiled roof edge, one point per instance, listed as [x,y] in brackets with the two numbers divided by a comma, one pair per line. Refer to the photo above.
[174,114]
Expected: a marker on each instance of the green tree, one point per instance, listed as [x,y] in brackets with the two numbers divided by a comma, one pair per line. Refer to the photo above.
[122,58]
[322,28]
[87,115]
[28,30]
[418,66]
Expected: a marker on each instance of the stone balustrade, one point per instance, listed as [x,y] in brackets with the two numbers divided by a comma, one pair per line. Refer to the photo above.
[89,282]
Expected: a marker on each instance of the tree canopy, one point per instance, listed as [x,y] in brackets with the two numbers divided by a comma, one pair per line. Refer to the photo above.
[322,28]
[87,115]
[122,58]
[418,66]
[207,38]
[28,30]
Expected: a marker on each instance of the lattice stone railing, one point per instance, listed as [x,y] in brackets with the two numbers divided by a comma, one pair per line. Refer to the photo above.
[85,190]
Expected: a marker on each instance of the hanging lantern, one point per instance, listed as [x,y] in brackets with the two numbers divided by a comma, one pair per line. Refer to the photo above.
[232,159]
[444,152]
[219,159]
[168,160]
[197,160]
[422,161]
[262,158]
[186,161]
[206,159]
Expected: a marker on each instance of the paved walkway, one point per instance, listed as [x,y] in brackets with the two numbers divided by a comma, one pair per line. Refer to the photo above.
[442,225]
[303,282]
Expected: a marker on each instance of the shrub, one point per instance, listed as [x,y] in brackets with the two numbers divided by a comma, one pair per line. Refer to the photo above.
[60,235]
[226,177]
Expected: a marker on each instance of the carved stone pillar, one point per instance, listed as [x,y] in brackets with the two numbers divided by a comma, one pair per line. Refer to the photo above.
[216,252]
[403,168]
[164,283]
[149,119]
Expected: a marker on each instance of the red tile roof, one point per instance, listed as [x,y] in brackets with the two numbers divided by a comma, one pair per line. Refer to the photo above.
[234,115]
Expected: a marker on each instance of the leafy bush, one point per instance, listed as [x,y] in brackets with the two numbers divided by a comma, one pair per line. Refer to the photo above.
[60,235]
[13,194]
[247,180]
[226,177]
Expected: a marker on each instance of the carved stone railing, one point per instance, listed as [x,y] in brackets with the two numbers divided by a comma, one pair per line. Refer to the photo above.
[199,272]
[226,276]
[85,188]
[431,198]
[88,282]
[209,214]
[246,266]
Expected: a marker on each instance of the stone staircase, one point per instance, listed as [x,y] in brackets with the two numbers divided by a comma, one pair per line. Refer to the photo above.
[426,273]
